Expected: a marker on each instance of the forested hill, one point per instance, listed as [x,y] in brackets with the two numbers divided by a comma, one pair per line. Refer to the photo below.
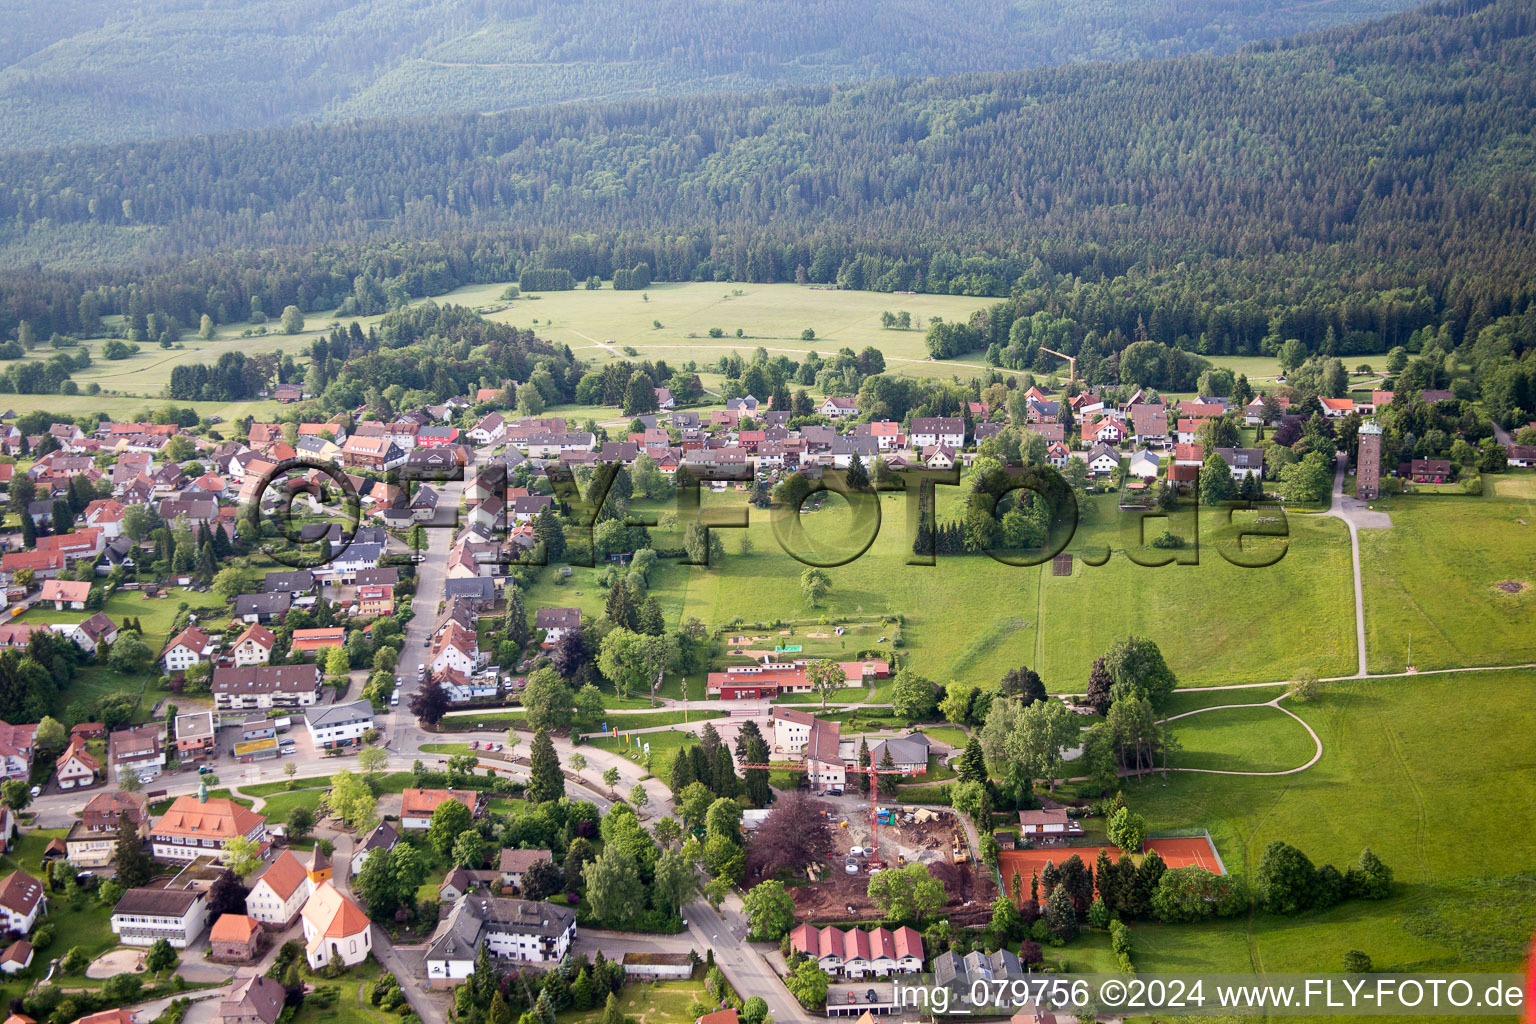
[1394,159]
[104,70]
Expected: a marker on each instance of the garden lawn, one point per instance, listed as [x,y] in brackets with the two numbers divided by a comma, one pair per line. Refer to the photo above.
[279,804]
[664,748]
[27,851]
[1256,739]
[655,1002]
[350,1004]
[1435,774]
[1435,575]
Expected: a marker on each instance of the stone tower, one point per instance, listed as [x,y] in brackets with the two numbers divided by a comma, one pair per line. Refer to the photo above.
[1368,468]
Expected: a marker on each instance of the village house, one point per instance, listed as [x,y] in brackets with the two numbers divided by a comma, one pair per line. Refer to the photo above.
[92,840]
[250,687]
[491,430]
[1430,471]
[835,408]
[262,607]
[16,749]
[945,430]
[513,864]
[94,633]
[309,641]
[1106,432]
[64,594]
[336,726]
[556,623]
[375,453]
[202,826]
[279,892]
[136,750]
[1143,465]
[1192,455]
[76,768]
[1149,425]
[254,646]
[1243,462]
[194,737]
[189,647]
[856,953]
[517,930]
[1103,460]
[375,599]
[383,837]
[908,753]
[22,902]
[939,456]
[417,805]
[814,743]
[144,915]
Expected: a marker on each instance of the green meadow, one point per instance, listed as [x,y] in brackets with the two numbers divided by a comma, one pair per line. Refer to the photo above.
[971,618]
[1436,576]
[1434,774]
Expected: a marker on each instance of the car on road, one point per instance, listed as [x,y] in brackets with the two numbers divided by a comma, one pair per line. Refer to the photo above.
[204,769]
[475,745]
[37,791]
[394,698]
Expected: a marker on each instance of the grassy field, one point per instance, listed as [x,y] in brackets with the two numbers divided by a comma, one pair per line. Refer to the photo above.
[1258,739]
[1434,774]
[129,406]
[1435,575]
[770,315]
[970,618]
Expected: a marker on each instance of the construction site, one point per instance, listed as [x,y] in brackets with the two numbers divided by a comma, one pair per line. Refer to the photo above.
[904,834]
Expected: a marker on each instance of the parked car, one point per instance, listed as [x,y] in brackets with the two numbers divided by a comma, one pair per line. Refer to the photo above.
[394,698]
[474,745]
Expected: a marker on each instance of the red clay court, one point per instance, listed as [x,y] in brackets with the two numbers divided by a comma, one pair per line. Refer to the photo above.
[1177,853]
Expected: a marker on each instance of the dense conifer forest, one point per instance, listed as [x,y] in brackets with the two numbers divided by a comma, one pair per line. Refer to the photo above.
[103,71]
[1364,180]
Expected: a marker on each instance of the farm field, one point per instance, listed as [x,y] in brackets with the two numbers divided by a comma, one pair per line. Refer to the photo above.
[1403,761]
[1436,573]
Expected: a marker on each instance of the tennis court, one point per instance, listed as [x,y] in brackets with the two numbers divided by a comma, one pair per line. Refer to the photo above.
[1176,853]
